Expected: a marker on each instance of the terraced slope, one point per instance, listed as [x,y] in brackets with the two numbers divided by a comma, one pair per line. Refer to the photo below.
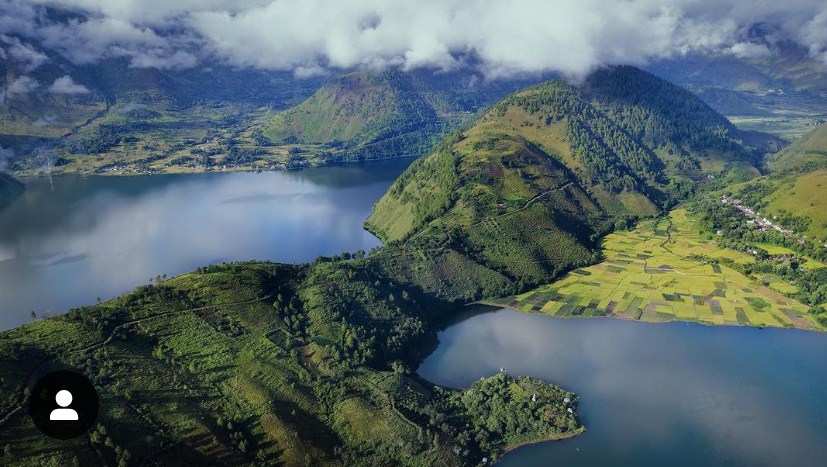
[267,364]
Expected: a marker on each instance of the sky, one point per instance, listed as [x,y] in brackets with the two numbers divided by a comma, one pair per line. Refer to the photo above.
[495,37]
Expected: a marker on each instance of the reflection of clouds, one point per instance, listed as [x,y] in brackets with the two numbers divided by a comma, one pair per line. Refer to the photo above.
[681,393]
[6,253]
[172,228]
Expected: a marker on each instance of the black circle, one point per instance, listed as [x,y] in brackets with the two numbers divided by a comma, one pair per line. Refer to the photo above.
[42,404]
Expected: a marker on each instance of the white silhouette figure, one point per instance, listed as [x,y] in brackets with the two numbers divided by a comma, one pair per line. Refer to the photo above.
[63,399]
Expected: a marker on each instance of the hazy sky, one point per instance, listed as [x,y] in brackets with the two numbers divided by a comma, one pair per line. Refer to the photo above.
[499,37]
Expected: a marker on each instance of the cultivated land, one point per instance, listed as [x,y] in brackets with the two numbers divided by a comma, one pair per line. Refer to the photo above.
[789,128]
[665,271]
[267,364]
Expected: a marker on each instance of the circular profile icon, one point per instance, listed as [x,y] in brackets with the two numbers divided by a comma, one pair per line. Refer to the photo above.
[63,404]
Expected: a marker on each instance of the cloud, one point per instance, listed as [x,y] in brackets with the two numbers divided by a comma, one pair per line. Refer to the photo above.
[499,38]
[22,85]
[66,85]
[24,53]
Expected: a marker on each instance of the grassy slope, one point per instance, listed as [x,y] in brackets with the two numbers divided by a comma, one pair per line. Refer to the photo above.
[529,187]
[354,105]
[798,186]
[369,115]
[266,363]
[804,196]
[810,151]
[498,201]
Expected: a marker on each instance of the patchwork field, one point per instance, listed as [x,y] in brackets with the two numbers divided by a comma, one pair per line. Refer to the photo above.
[654,273]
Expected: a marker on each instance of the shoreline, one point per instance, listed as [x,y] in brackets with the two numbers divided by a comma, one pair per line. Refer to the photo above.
[559,437]
[622,318]
[27,174]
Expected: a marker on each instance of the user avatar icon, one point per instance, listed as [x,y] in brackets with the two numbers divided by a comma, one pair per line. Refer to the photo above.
[63,404]
[63,399]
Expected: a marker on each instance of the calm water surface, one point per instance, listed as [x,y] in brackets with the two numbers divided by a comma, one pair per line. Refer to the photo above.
[656,394]
[63,244]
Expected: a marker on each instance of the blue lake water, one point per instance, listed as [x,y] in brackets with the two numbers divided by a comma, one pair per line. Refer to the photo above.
[672,394]
[67,241]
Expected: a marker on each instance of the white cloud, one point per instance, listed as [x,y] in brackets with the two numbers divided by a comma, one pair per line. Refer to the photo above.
[22,85]
[501,38]
[66,85]
[750,50]
[24,53]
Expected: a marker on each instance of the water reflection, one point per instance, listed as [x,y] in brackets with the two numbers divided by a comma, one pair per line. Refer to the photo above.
[663,394]
[100,236]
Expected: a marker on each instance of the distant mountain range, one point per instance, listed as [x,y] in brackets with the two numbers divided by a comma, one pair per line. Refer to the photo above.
[48,101]
[788,79]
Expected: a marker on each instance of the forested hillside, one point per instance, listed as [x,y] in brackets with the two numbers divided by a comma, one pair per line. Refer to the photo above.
[528,189]
[370,115]
[261,363]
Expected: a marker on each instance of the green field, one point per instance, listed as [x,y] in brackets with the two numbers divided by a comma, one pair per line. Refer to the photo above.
[788,127]
[654,273]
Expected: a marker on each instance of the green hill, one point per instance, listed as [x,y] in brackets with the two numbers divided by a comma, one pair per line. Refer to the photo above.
[533,183]
[807,153]
[375,115]
[9,189]
[796,191]
[267,364]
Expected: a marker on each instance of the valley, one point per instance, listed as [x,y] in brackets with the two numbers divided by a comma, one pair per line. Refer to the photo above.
[664,270]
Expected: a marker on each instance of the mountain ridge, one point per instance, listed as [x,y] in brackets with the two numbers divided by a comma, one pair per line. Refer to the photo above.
[529,188]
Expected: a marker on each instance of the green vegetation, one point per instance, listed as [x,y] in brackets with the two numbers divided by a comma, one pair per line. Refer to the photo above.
[663,271]
[311,364]
[153,124]
[796,262]
[804,154]
[9,189]
[789,128]
[530,187]
[266,363]
[133,138]
[370,116]
[794,194]
[124,119]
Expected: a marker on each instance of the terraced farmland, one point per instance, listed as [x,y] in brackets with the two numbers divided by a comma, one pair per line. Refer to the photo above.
[655,273]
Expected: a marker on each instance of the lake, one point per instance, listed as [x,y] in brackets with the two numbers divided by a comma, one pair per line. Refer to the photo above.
[655,394]
[67,241]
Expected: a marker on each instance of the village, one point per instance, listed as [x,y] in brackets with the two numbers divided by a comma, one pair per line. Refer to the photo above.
[755,217]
